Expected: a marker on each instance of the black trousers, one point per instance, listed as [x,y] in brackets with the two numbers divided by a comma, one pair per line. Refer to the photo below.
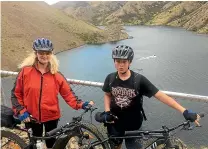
[38,130]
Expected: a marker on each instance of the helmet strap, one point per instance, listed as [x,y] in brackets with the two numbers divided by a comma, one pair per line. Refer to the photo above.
[124,72]
[40,63]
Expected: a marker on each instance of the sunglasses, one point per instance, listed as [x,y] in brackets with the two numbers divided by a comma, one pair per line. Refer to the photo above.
[44,53]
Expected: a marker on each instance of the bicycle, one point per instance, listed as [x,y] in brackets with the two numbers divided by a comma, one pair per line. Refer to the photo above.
[155,139]
[83,130]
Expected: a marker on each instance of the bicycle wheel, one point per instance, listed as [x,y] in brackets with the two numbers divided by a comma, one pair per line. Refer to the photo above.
[10,140]
[93,136]
[176,144]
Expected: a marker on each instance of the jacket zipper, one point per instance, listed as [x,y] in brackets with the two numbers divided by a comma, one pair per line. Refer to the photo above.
[40,97]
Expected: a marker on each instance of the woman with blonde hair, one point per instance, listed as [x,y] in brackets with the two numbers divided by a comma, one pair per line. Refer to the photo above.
[36,89]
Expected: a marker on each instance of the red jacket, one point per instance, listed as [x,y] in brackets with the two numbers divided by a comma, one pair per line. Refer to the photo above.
[38,94]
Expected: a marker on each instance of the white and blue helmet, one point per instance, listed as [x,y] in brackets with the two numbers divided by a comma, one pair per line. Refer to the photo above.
[42,44]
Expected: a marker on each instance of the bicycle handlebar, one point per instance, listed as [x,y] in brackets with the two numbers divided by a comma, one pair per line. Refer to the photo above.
[185,123]
[165,129]
[74,119]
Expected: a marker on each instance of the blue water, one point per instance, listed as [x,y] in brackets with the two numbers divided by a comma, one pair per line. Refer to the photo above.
[177,63]
[173,59]
[180,63]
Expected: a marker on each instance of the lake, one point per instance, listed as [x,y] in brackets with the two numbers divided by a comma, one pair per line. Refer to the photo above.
[171,58]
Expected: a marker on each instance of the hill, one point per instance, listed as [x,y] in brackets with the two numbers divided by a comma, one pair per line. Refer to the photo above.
[22,22]
[189,15]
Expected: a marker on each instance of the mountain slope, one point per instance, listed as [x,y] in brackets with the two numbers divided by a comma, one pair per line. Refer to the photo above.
[190,15]
[22,22]
[94,12]
[196,20]
[136,12]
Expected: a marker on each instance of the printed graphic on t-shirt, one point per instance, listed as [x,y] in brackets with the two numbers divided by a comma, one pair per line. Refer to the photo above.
[123,96]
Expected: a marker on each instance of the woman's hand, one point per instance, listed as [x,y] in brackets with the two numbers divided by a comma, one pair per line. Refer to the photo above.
[85,104]
[91,103]
[26,120]
[25,117]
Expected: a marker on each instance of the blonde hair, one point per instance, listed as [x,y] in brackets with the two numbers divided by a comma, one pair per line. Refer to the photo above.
[32,59]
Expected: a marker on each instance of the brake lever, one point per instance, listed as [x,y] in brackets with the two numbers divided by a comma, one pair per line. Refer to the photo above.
[186,126]
[189,126]
[91,110]
[192,126]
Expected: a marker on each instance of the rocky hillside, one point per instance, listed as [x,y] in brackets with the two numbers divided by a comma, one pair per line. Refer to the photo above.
[22,22]
[94,12]
[190,15]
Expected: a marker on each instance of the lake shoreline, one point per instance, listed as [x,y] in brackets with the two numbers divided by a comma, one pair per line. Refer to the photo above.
[81,45]
[173,69]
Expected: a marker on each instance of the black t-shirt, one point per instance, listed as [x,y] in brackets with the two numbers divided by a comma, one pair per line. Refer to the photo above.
[125,102]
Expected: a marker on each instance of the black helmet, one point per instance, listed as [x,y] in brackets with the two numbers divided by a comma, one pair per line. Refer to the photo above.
[42,44]
[123,52]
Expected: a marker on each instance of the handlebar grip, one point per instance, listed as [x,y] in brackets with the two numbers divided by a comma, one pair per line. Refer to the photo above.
[54,131]
[132,133]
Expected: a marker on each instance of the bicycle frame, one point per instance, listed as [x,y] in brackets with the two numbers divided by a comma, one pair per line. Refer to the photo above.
[62,134]
[62,138]
[161,136]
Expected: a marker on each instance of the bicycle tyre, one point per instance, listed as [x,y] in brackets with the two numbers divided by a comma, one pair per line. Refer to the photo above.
[160,144]
[93,130]
[12,136]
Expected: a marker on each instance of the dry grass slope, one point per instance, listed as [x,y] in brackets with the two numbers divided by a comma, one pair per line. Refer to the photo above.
[22,22]
[189,15]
